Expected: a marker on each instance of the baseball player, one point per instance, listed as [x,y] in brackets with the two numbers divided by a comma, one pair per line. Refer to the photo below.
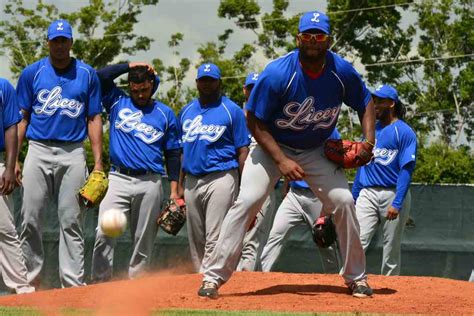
[59,97]
[12,263]
[143,132]
[256,238]
[381,188]
[292,110]
[300,206]
[215,143]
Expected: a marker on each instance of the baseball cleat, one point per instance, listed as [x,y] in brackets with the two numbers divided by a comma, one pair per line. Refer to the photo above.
[208,289]
[360,289]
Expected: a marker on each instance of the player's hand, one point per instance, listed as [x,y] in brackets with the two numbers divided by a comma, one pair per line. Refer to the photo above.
[291,170]
[8,181]
[392,213]
[364,155]
[98,166]
[148,66]
[175,196]
[18,175]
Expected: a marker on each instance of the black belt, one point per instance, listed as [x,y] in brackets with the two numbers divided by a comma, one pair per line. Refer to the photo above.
[131,172]
[301,188]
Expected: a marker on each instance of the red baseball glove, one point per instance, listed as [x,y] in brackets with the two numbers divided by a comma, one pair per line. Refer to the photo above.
[348,154]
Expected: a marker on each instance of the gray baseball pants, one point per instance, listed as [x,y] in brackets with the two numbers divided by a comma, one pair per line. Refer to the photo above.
[256,238]
[259,176]
[300,206]
[208,198]
[54,171]
[372,205]
[12,262]
[141,199]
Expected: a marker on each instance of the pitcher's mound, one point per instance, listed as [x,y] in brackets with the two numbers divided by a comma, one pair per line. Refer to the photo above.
[259,291]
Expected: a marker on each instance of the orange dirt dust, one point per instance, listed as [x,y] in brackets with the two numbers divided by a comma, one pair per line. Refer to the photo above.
[258,291]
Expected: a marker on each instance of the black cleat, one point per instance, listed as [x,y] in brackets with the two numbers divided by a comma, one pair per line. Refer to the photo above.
[360,289]
[208,289]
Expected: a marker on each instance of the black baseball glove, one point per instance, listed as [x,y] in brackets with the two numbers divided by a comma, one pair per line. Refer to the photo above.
[324,232]
[173,216]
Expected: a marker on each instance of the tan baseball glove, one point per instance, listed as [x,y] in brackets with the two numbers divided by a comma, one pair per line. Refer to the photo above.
[348,154]
[95,188]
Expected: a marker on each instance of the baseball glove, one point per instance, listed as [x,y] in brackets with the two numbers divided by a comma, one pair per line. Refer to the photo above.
[93,191]
[324,232]
[348,154]
[173,216]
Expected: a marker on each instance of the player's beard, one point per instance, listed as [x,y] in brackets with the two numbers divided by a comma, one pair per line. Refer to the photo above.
[312,54]
[382,113]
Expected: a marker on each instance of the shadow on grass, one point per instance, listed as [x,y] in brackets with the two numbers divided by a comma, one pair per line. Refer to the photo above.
[308,289]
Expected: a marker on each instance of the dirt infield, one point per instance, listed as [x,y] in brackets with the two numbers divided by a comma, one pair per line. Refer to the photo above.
[259,291]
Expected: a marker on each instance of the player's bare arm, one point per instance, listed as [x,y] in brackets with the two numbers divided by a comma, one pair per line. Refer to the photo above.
[289,168]
[242,154]
[94,127]
[21,131]
[367,120]
[11,147]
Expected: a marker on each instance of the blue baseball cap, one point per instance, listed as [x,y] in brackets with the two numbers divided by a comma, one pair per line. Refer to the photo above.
[251,79]
[59,28]
[314,20]
[209,70]
[385,91]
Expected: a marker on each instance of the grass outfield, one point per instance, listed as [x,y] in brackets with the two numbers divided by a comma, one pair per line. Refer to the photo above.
[22,311]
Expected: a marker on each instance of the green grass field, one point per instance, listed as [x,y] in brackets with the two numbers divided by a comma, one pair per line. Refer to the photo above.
[21,311]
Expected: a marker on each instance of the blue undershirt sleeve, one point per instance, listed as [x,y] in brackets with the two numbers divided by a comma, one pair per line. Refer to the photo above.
[108,74]
[356,187]
[173,163]
[403,184]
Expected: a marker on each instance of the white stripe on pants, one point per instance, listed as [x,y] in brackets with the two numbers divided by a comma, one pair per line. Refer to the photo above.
[372,206]
[259,176]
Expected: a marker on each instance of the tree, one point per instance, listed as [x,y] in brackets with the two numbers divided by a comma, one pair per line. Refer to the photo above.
[102,31]
[445,91]
[441,164]
[177,95]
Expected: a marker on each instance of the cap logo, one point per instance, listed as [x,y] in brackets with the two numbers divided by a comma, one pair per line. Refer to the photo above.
[207,68]
[255,77]
[60,27]
[379,87]
[315,17]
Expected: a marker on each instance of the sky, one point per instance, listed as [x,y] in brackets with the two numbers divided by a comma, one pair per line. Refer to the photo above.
[196,19]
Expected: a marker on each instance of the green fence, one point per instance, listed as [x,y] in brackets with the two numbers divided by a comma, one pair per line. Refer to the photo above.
[438,240]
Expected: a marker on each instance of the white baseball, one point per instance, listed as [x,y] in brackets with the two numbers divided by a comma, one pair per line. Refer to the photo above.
[113,223]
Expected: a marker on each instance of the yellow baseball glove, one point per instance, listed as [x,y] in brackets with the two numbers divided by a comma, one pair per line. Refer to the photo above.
[93,191]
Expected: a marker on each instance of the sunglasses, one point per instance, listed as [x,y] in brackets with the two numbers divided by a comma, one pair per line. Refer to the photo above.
[319,37]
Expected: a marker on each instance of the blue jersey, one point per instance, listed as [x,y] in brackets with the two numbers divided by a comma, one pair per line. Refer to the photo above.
[59,102]
[301,184]
[395,147]
[9,110]
[302,112]
[140,135]
[211,136]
